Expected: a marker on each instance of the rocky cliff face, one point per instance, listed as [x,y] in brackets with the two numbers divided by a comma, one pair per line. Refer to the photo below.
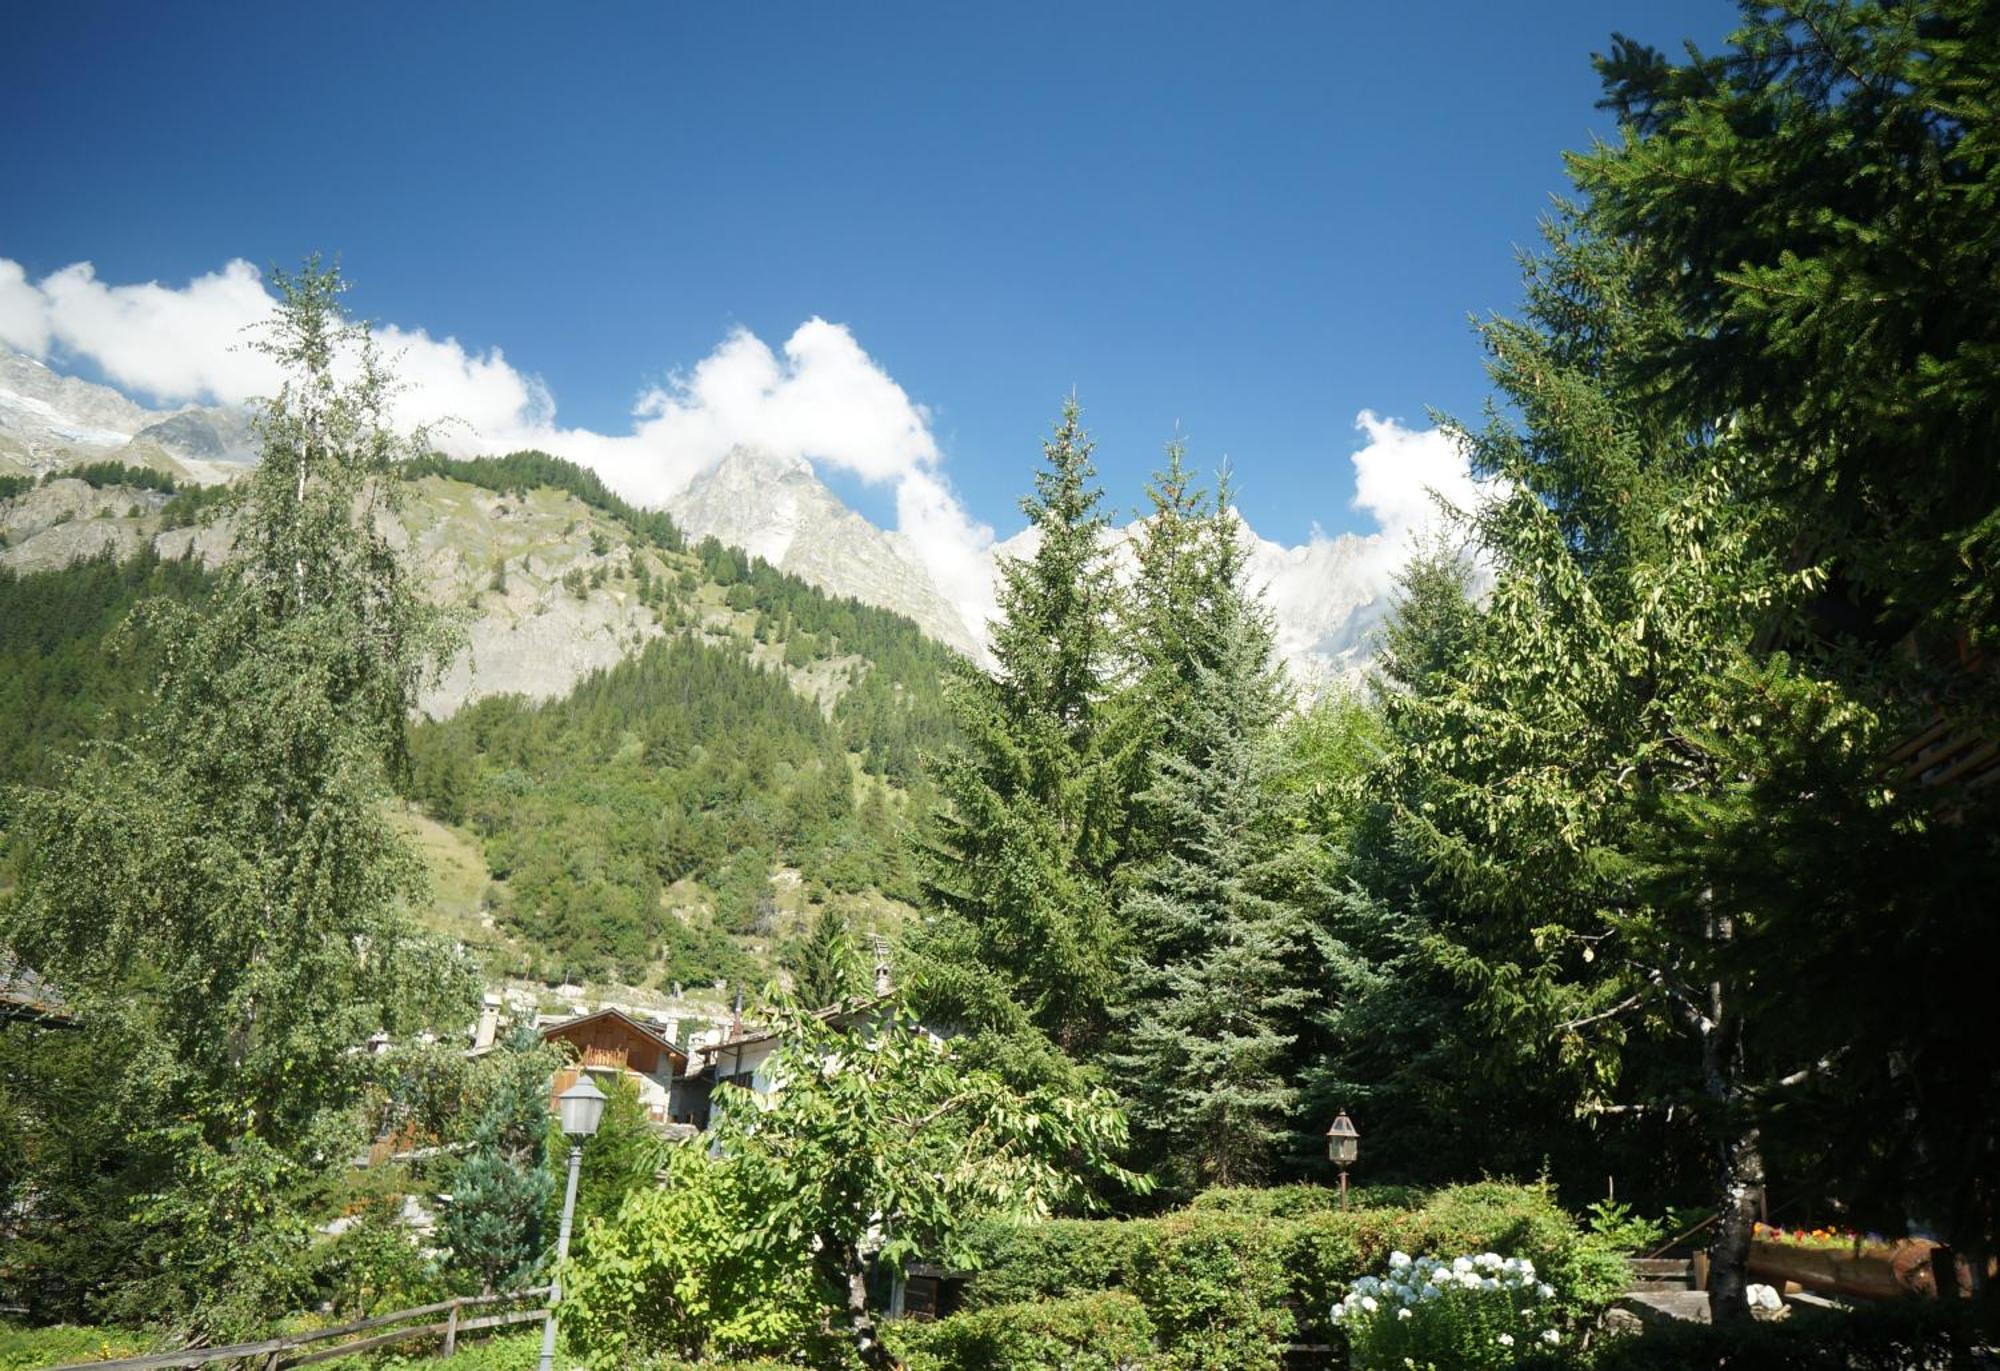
[779,510]
[1328,596]
[49,421]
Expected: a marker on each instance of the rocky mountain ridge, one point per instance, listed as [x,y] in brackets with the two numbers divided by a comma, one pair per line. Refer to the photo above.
[49,421]
[1327,596]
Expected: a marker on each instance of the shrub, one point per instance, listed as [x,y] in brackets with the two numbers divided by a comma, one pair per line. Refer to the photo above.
[1050,1260]
[1102,1332]
[1296,1201]
[1221,1276]
[1217,1288]
[1469,1312]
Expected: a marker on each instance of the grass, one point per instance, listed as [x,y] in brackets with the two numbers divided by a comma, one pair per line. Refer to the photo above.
[29,1349]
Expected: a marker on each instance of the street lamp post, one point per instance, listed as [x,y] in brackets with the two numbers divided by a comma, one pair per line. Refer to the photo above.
[1343,1145]
[581,1107]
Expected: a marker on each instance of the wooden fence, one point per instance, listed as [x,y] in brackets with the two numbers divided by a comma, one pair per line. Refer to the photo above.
[273,1353]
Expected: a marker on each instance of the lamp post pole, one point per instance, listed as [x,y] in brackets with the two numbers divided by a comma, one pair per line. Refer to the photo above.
[562,1251]
[581,1107]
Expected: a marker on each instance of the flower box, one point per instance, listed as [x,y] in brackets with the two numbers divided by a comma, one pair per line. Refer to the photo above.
[1872,1272]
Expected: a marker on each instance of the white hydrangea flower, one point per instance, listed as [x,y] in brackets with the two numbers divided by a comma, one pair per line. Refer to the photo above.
[1404,1312]
[1551,1337]
[1369,1304]
[1545,1291]
[1461,1264]
[1398,1260]
[1505,1340]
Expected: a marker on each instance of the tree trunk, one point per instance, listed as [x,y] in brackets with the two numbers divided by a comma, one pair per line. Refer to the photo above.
[1739,1159]
[1742,1183]
[861,1324]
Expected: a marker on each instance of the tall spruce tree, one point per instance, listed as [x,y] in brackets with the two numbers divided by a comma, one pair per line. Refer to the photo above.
[1215,989]
[1025,844]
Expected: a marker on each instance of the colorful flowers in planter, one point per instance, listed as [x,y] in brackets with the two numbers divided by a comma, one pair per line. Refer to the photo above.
[1473,1311]
[1819,1239]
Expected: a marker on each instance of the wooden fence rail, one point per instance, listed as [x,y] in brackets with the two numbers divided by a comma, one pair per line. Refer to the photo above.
[273,1353]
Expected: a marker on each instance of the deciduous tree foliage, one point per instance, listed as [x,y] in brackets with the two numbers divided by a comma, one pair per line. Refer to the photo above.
[876,1148]
[223,894]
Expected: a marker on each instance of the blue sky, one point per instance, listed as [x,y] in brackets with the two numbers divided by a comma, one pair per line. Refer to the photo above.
[1250,221]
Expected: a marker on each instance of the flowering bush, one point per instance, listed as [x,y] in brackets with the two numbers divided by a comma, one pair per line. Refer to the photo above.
[1468,1312]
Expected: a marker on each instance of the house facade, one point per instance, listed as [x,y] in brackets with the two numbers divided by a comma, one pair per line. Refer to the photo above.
[612,1046]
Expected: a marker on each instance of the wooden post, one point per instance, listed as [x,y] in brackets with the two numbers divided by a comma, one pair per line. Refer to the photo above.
[451,1330]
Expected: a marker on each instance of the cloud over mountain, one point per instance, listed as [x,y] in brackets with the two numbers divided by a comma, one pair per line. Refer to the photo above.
[819,398]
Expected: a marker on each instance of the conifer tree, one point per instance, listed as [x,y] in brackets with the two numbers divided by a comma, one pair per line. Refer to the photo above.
[1024,847]
[826,967]
[1216,993]
[493,1225]
[1161,635]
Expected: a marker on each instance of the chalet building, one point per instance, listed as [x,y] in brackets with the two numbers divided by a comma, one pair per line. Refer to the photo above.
[613,1046]
[738,1058]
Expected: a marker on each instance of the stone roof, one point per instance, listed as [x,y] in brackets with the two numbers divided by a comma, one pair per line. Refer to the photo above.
[25,995]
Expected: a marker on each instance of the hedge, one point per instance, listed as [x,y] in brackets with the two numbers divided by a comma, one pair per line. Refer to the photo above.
[1108,1331]
[1227,1288]
[1296,1201]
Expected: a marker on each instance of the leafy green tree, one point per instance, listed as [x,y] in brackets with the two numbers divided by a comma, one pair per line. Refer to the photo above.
[671,1272]
[1024,845]
[1633,576]
[230,877]
[877,1149]
[494,1226]
[625,1155]
[1810,212]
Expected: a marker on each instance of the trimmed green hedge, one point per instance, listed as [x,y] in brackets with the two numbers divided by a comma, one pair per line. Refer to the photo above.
[1225,1288]
[1296,1201]
[1108,1331]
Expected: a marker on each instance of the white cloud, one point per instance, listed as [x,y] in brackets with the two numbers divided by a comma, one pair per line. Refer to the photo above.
[824,399]
[24,314]
[171,344]
[1400,476]
[821,398]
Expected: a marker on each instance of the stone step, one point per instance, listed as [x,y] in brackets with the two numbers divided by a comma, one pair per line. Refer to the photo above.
[1663,1271]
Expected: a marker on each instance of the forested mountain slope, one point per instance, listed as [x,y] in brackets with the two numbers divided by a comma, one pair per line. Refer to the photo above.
[665,756]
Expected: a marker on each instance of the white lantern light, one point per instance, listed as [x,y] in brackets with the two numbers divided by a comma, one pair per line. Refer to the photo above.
[581,1107]
[1343,1142]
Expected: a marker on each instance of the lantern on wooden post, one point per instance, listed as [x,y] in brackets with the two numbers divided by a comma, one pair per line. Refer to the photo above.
[1343,1145]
